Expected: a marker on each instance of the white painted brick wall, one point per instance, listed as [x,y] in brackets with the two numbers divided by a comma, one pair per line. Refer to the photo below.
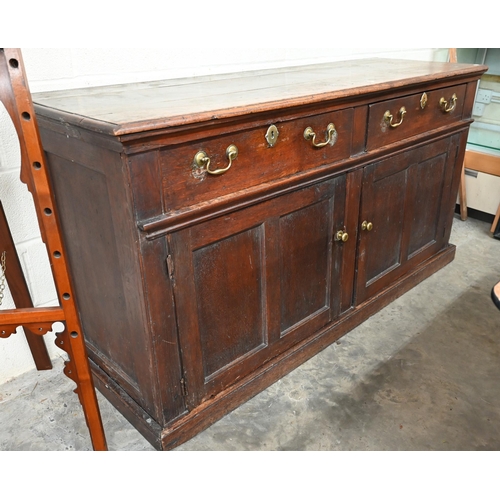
[53,69]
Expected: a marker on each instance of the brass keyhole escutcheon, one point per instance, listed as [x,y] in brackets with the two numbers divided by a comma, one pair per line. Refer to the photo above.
[366,226]
[341,236]
[272,135]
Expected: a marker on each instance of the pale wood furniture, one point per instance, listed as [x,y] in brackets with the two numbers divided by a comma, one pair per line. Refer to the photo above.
[16,97]
[478,161]
[488,164]
[222,230]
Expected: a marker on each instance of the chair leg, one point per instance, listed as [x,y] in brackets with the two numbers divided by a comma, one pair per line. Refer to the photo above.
[495,220]
[20,292]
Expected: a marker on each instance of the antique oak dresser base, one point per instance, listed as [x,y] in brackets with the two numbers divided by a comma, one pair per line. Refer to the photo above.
[206,414]
[223,230]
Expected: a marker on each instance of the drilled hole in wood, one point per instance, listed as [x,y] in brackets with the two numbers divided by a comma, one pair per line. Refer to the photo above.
[14,63]
[37,165]
[66,296]
[74,334]
[26,115]
[48,211]
[57,254]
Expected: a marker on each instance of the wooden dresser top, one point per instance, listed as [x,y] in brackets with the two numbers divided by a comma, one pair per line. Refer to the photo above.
[139,107]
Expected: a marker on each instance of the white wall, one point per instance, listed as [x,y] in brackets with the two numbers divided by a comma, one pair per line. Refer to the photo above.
[53,69]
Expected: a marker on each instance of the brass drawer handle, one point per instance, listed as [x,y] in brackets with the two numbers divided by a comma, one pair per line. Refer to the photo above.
[331,136]
[366,226]
[202,160]
[445,106]
[388,117]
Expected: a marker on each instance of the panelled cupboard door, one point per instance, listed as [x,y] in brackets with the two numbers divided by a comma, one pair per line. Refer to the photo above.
[250,284]
[402,198]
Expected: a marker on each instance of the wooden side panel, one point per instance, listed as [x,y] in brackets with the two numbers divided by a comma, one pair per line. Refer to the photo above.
[99,237]
[91,239]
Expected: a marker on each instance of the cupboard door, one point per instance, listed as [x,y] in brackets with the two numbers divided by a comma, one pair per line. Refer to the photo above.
[404,198]
[250,284]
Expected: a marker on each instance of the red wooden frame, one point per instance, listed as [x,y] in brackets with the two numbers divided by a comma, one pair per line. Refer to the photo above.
[16,97]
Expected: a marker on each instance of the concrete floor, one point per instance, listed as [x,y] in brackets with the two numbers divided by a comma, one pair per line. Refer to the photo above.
[422,374]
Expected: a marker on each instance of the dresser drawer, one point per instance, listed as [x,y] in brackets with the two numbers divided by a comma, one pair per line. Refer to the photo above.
[396,119]
[183,169]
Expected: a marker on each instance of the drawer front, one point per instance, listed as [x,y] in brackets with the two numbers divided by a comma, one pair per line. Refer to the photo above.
[185,183]
[397,119]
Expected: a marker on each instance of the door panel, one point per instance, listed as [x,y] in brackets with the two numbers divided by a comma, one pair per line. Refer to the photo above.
[306,237]
[402,198]
[250,284]
[230,295]
[426,184]
[387,208]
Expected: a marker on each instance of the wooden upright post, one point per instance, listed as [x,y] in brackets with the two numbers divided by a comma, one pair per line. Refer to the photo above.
[16,96]
[20,292]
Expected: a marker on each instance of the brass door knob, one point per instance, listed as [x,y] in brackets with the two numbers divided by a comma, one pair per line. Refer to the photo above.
[366,226]
[341,236]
